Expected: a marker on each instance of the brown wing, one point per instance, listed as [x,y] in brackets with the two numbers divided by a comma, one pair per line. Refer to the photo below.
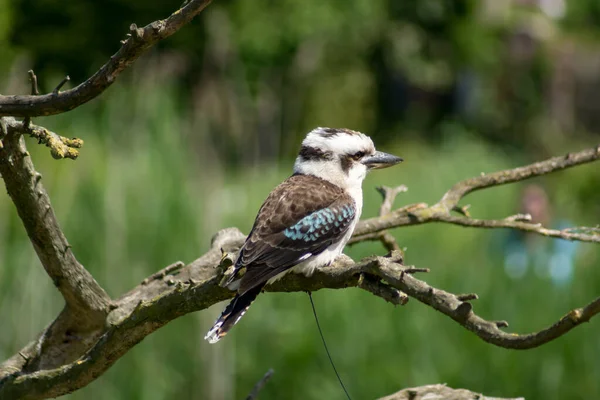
[301,217]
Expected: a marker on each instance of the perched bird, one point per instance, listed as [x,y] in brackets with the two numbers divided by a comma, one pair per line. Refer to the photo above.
[307,220]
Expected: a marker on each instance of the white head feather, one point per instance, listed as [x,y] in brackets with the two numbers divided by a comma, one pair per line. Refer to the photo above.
[335,145]
[339,141]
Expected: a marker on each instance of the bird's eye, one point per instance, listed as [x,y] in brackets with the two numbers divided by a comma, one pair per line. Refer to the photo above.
[358,155]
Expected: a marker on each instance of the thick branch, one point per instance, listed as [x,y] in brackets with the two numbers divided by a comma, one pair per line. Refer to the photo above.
[83,319]
[88,301]
[441,211]
[106,331]
[139,41]
[194,287]
[462,311]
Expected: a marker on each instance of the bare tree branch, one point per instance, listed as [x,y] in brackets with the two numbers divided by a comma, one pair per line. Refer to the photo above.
[61,84]
[139,41]
[462,311]
[378,288]
[23,183]
[60,146]
[195,287]
[93,332]
[34,84]
[259,385]
[389,195]
[509,222]
[441,211]
[87,304]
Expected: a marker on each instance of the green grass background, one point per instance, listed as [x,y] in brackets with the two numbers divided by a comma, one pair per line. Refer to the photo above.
[148,189]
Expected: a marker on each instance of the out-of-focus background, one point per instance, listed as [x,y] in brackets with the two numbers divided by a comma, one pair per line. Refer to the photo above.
[195,135]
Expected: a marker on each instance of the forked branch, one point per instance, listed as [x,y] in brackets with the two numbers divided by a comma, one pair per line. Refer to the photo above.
[421,213]
[82,293]
[195,287]
[105,330]
[60,146]
[139,40]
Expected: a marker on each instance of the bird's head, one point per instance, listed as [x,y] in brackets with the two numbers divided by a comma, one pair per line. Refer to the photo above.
[341,156]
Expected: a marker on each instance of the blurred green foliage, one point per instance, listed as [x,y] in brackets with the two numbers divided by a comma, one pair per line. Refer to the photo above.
[196,135]
[392,65]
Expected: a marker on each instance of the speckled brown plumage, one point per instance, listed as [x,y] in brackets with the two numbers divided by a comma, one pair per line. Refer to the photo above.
[305,221]
[301,218]
[268,251]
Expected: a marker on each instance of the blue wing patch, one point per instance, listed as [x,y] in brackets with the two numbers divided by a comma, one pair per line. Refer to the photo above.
[319,223]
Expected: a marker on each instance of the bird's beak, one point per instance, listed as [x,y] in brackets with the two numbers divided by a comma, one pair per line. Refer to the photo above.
[380,160]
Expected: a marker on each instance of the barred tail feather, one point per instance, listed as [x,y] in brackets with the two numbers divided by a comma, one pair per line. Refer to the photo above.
[232,314]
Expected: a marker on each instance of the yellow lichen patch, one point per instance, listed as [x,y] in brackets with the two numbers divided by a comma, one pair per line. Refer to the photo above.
[72,153]
[75,142]
[60,146]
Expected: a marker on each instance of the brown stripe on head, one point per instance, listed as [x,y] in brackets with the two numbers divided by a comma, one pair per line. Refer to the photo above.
[346,162]
[308,153]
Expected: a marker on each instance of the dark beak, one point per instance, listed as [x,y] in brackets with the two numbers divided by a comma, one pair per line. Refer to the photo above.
[380,160]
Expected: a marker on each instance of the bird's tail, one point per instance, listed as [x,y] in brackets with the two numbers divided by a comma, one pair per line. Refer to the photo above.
[232,314]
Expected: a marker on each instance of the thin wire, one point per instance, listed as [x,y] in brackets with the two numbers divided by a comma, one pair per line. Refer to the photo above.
[325,344]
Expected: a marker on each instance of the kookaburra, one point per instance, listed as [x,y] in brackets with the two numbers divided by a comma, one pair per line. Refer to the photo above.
[307,220]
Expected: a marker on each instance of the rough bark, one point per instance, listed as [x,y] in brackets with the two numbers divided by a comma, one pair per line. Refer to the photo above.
[137,42]
[441,211]
[92,332]
[166,296]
